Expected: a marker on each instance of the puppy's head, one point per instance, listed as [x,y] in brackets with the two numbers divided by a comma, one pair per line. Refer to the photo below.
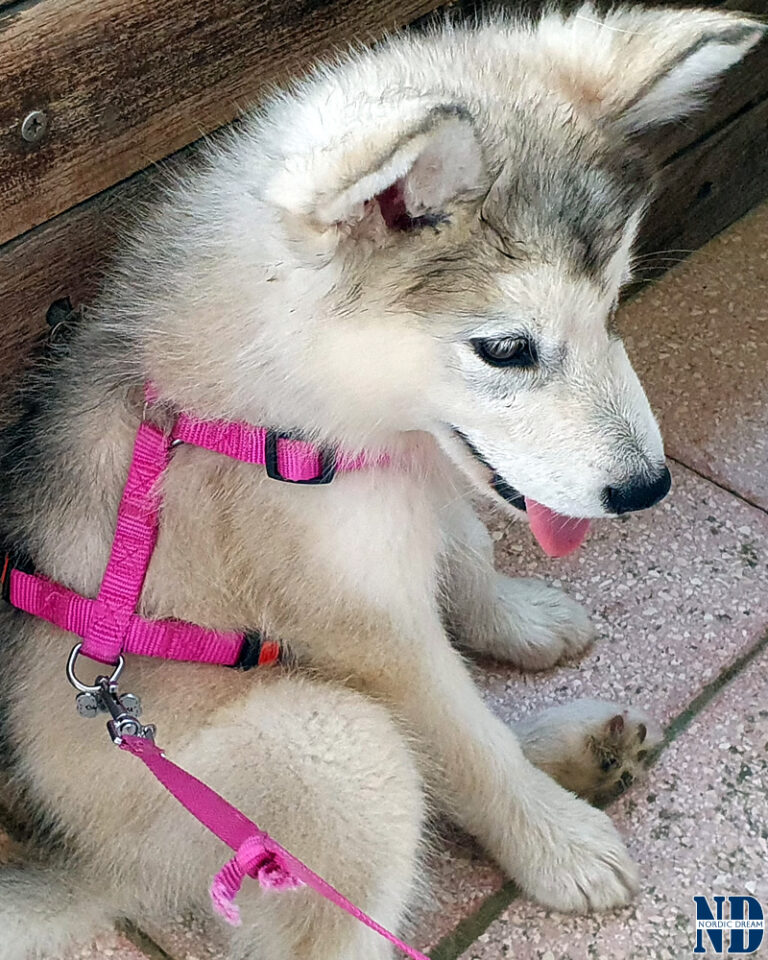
[456,214]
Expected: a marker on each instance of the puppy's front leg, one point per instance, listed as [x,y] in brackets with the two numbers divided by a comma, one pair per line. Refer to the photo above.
[563,853]
[523,621]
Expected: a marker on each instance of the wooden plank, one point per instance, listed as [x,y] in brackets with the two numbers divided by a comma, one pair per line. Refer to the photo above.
[706,188]
[126,82]
[63,259]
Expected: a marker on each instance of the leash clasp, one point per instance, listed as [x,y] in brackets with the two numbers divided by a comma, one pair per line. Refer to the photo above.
[125,711]
[104,697]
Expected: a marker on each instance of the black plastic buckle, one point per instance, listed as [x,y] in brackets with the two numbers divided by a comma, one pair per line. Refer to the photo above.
[249,652]
[10,561]
[5,577]
[327,461]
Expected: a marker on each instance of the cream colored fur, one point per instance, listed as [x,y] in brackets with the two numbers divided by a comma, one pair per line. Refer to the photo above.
[268,288]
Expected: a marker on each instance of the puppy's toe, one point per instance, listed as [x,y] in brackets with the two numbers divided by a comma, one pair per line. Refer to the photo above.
[623,746]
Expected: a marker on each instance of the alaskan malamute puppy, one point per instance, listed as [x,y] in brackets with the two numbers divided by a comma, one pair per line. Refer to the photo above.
[417,252]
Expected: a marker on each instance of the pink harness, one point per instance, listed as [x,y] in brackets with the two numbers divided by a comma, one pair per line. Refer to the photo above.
[109,627]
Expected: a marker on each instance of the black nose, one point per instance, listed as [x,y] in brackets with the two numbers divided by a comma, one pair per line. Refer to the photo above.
[638,494]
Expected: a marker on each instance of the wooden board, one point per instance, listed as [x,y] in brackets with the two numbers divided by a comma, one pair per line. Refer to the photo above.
[63,259]
[126,82]
[708,186]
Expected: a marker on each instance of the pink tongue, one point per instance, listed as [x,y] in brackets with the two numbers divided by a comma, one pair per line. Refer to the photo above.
[557,535]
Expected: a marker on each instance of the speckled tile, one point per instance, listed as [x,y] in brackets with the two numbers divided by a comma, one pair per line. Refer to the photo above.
[697,828]
[187,939]
[699,341]
[106,948]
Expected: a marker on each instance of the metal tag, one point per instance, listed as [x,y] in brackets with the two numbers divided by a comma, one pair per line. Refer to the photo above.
[88,704]
[130,704]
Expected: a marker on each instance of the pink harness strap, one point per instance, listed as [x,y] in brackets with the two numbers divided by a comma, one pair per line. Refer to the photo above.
[168,639]
[132,547]
[297,461]
[109,625]
[256,853]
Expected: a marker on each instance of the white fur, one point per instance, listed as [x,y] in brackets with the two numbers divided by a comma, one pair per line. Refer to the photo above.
[631,65]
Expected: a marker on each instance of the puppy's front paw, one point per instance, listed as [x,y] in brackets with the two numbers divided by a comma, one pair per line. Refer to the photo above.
[581,863]
[538,625]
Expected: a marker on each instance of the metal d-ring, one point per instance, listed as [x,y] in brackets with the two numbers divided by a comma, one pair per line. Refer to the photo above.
[82,687]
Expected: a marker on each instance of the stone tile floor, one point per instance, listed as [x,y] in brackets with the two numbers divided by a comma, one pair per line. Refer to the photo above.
[680,599]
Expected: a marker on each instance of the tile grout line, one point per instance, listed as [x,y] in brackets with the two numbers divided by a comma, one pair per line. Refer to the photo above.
[711,690]
[467,931]
[717,483]
[142,941]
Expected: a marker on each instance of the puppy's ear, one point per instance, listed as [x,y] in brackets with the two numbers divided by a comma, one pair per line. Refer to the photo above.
[640,67]
[403,167]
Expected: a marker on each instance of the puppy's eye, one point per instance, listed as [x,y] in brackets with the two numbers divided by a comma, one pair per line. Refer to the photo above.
[506,351]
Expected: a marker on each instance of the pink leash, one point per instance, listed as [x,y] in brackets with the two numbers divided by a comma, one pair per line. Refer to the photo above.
[256,853]
[109,626]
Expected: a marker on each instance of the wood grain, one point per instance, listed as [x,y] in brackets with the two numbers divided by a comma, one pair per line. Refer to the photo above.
[65,259]
[126,82]
[710,185]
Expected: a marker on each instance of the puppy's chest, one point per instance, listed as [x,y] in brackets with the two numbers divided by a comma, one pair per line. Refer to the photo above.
[236,551]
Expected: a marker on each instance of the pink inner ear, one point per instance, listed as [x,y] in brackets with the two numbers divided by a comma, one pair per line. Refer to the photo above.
[392,205]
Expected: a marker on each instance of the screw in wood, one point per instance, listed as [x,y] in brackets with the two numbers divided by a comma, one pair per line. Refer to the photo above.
[33,126]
